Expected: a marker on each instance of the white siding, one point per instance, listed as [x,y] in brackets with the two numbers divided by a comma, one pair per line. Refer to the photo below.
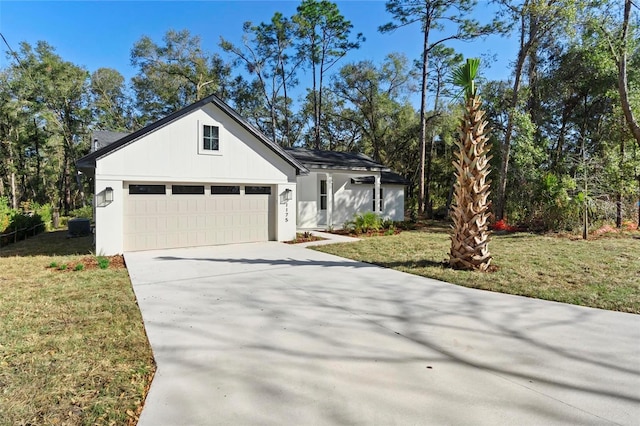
[393,202]
[308,206]
[109,220]
[170,154]
[348,200]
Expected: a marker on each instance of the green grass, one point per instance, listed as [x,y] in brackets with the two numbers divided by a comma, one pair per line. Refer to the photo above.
[73,349]
[601,273]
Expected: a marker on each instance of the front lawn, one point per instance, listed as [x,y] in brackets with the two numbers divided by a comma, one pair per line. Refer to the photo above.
[601,273]
[73,349]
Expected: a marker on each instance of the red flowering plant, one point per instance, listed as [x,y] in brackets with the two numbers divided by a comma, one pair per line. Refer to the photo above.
[502,225]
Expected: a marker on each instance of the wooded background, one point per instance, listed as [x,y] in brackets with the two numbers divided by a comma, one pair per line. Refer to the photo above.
[565,135]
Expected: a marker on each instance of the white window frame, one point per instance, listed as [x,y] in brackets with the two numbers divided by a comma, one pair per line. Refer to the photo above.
[380,199]
[201,149]
[323,195]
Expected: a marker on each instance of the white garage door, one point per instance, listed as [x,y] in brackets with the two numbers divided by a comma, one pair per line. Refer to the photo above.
[159,216]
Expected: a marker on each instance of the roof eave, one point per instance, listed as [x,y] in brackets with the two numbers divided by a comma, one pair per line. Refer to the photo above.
[91,158]
[312,166]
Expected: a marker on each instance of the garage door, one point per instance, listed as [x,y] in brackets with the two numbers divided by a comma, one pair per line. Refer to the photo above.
[167,216]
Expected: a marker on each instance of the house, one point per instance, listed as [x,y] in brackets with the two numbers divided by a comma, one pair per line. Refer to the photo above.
[204,176]
[341,184]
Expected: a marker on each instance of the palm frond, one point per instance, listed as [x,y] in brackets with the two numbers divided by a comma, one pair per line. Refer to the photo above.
[464,77]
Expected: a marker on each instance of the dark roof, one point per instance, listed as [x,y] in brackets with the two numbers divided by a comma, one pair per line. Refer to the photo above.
[389,178]
[89,160]
[102,138]
[316,159]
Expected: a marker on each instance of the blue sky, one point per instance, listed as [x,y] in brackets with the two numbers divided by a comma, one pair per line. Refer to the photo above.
[98,34]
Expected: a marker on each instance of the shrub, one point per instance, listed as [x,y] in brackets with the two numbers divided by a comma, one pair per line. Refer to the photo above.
[53,265]
[79,267]
[85,212]
[45,212]
[103,262]
[387,224]
[364,222]
[63,267]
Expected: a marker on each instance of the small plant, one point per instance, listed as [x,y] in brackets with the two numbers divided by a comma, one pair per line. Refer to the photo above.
[391,230]
[53,265]
[79,267]
[388,224]
[63,267]
[365,222]
[307,235]
[103,262]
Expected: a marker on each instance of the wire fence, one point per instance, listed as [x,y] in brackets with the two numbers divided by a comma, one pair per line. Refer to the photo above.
[20,234]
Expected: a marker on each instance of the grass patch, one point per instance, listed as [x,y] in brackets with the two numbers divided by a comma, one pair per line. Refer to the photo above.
[73,349]
[601,273]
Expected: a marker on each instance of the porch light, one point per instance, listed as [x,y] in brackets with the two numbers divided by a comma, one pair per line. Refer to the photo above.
[287,195]
[108,195]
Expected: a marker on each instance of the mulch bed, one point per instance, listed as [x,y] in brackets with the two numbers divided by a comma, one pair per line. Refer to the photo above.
[305,239]
[380,233]
[91,262]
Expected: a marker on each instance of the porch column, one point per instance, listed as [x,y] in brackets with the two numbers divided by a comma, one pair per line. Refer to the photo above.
[376,196]
[329,201]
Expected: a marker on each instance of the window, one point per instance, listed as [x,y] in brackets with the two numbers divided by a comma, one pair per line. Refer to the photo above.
[210,138]
[221,189]
[257,190]
[381,199]
[187,189]
[147,189]
[323,194]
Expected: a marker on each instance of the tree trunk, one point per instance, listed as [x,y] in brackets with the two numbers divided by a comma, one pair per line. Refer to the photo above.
[38,164]
[427,197]
[316,113]
[287,131]
[12,174]
[66,181]
[423,124]
[619,194]
[623,87]
[506,145]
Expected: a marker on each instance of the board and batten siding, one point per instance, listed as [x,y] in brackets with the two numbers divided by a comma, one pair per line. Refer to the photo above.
[170,154]
[348,199]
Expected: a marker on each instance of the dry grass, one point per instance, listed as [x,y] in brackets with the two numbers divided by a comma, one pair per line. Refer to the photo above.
[72,345]
[601,273]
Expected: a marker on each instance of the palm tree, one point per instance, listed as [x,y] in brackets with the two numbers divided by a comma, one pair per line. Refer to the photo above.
[470,208]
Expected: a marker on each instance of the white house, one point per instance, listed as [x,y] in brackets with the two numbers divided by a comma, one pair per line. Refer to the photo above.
[341,184]
[204,176]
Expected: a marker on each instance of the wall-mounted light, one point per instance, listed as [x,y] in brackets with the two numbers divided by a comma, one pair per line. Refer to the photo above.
[108,195]
[286,195]
[104,197]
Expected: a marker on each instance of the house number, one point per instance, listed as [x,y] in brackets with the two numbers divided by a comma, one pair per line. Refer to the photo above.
[286,211]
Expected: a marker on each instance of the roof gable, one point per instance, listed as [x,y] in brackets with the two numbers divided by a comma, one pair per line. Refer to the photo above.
[89,160]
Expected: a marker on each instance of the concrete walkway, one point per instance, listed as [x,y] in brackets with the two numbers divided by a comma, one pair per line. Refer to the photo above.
[275,334]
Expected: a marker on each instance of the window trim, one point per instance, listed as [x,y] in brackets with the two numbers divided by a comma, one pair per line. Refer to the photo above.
[187,192]
[229,190]
[201,139]
[380,199]
[323,194]
[137,186]
[256,191]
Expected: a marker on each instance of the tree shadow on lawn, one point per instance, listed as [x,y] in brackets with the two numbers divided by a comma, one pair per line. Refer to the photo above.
[55,243]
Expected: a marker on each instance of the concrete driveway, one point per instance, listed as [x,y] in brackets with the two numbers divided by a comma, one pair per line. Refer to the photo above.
[273,334]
